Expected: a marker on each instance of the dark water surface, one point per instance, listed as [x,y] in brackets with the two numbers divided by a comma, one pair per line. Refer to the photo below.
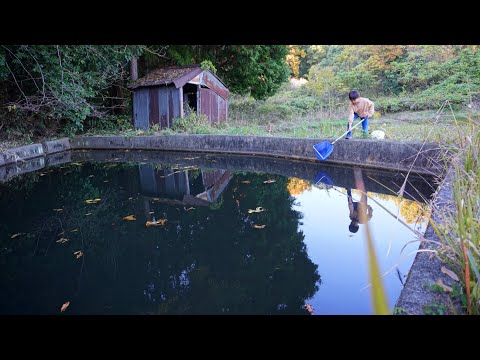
[225,235]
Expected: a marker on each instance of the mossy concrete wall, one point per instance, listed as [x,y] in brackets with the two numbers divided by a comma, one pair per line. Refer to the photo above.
[423,158]
[418,295]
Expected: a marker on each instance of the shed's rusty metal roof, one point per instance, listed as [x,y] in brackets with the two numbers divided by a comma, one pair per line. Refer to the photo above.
[179,75]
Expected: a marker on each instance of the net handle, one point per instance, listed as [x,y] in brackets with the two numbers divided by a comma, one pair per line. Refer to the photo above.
[341,136]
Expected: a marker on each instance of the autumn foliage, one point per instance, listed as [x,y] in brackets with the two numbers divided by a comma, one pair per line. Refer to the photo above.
[297,186]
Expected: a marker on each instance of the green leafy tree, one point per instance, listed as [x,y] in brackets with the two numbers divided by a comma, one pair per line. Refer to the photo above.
[324,83]
[64,81]
[258,70]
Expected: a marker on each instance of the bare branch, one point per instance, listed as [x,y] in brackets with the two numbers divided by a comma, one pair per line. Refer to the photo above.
[151,51]
[21,64]
[61,67]
[14,78]
[41,72]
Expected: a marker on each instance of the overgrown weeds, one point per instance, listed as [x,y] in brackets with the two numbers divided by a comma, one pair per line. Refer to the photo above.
[459,229]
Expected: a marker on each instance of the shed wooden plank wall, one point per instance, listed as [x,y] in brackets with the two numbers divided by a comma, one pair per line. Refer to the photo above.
[169,105]
[141,106]
[153,106]
[222,109]
[213,106]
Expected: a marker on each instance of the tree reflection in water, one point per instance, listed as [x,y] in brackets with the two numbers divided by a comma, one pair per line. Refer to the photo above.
[209,258]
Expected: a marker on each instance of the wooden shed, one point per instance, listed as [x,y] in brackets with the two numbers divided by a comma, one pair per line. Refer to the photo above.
[173,92]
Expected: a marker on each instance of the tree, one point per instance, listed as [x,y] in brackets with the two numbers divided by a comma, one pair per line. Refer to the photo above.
[255,69]
[295,53]
[323,82]
[65,82]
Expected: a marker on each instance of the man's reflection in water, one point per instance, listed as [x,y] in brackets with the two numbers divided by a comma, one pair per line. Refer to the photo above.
[355,207]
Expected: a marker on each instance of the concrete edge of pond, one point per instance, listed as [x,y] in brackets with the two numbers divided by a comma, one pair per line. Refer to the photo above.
[422,158]
[417,297]
[426,158]
[19,154]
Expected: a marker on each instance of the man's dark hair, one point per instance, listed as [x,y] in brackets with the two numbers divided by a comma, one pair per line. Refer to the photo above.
[353,227]
[354,94]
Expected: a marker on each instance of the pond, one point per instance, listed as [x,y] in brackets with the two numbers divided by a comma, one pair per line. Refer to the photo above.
[143,232]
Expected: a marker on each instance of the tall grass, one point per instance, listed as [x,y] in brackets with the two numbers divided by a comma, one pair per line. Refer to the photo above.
[459,230]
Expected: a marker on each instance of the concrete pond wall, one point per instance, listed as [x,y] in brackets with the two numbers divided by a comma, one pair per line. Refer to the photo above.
[423,158]
[415,157]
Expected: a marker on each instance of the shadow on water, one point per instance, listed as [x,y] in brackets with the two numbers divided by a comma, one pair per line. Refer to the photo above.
[230,240]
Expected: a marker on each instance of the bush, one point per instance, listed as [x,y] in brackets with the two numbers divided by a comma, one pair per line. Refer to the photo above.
[275,111]
[304,104]
[242,106]
[192,124]
[109,123]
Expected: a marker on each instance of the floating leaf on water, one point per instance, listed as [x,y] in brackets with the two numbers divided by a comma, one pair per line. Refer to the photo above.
[269,181]
[65,306]
[445,288]
[57,209]
[78,253]
[259,226]
[62,240]
[159,222]
[94,201]
[246,182]
[257,210]
[309,308]
[449,273]
[14,236]
[190,208]
[130,218]
[74,230]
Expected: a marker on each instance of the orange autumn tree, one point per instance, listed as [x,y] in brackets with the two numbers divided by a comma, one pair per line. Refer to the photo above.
[293,59]
[297,186]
